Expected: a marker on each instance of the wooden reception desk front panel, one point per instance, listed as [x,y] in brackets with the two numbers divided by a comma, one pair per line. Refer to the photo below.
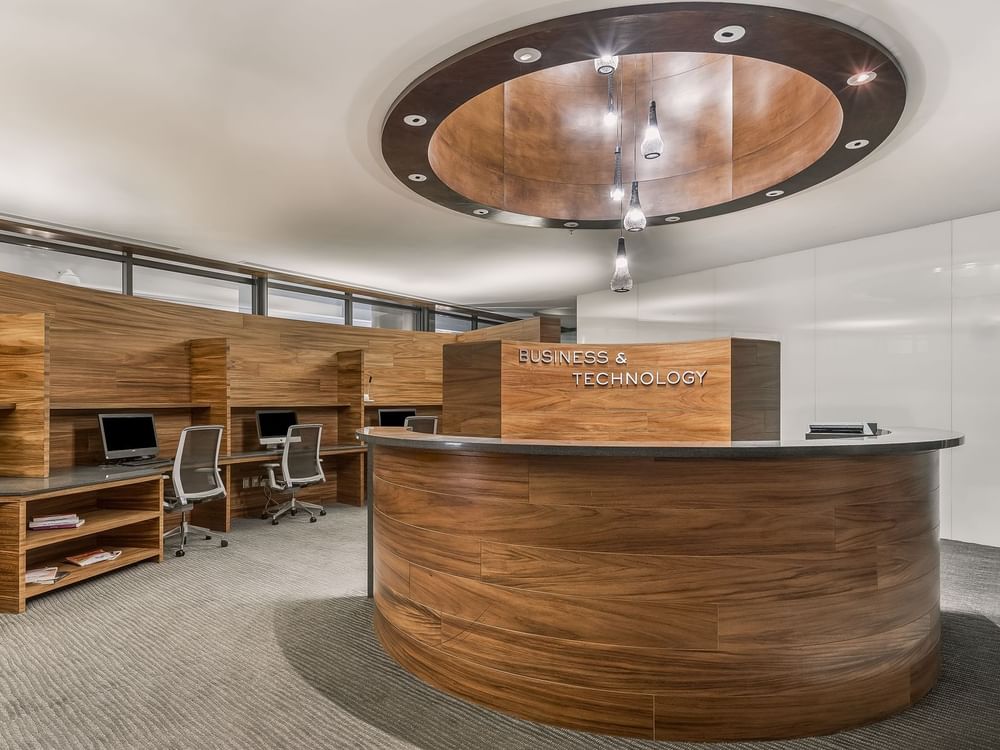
[666,598]
[724,389]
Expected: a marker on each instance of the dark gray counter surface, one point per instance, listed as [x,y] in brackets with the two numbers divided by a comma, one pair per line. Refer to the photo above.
[68,479]
[896,440]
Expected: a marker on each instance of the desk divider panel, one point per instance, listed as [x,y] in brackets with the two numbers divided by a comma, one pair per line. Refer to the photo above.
[24,395]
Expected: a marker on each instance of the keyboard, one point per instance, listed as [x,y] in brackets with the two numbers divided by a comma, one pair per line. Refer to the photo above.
[146,463]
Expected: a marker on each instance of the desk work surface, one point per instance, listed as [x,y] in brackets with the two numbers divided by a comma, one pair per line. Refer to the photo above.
[79,477]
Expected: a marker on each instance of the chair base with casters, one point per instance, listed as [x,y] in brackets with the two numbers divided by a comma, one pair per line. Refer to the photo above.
[187,529]
[290,507]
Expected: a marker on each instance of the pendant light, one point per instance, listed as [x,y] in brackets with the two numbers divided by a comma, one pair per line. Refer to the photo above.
[606,64]
[618,190]
[621,280]
[611,116]
[635,219]
[652,143]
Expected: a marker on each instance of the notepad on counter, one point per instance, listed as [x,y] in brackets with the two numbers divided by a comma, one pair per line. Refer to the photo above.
[94,556]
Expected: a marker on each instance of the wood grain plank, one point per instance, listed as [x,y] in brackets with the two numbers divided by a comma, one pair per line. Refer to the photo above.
[24,381]
[444,552]
[618,622]
[609,712]
[705,578]
[650,531]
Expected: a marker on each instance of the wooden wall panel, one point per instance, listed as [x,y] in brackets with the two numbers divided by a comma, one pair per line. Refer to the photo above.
[24,395]
[691,391]
[545,328]
[544,401]
[210,383]
[472,395]
[715,588]
[115,349]
[756,390]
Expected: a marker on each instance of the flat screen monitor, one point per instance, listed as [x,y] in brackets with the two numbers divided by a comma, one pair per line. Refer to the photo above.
[394,417]
[272,426]
[128,436]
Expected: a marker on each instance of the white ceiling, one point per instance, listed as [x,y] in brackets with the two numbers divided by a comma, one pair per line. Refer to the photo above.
[248,130]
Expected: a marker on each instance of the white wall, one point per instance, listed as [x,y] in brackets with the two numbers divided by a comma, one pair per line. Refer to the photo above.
[903,329]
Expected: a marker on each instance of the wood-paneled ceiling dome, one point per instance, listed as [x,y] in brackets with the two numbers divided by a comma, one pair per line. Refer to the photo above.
[743,122]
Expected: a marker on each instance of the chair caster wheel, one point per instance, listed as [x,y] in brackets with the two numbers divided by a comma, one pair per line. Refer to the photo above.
[322,512]
[223,543]
[292,512]
[312,519]
[274,521]
[264,516]
[179,553]
[207,537]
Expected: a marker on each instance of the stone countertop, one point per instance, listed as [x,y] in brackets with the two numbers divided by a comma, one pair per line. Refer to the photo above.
[898,440]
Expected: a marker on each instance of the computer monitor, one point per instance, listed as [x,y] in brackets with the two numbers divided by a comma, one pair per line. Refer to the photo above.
[272,426]
[394,417]
[128,436]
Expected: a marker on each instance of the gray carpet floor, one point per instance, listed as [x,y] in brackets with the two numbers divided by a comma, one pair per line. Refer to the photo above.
[268,644]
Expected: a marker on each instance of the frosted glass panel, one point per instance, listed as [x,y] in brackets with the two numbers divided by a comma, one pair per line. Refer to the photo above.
[49,265]
[173,286]
[284,303]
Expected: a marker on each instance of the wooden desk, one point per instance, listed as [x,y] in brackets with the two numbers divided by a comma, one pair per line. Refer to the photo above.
[122,509]
[670,591]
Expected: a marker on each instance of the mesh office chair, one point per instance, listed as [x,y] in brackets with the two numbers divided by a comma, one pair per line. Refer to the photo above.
[422,424]
[300,466]
[195,479]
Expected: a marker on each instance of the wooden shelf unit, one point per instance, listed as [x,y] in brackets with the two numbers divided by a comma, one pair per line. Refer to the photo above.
[126,515]
[95,522]
[129,556]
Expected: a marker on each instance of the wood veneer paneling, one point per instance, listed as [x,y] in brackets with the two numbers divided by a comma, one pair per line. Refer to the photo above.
[489,391]
[620,585]
[24,369]
[545,328]
[113,349]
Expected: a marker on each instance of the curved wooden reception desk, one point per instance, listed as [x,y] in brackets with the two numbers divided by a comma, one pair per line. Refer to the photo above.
[666,591]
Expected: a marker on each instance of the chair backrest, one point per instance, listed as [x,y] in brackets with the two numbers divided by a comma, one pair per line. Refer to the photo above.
[300,462]
[422,424]
[196,467]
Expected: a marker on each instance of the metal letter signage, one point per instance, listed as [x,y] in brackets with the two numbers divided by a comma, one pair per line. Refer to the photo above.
[606,378]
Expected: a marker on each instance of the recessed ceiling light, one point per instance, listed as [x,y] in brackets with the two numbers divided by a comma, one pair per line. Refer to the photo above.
[774,193]
[860,143]
[728,34]
[415,121]
[480,212]
[672,218]
[527,55]
[571,224]
[416,177]
[860,79]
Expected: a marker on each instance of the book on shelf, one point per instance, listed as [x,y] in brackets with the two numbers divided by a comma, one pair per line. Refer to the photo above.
[94,556]
[35,524]
[57,517]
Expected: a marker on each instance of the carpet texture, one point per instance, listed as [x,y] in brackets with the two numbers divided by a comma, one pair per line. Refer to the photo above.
[268,644]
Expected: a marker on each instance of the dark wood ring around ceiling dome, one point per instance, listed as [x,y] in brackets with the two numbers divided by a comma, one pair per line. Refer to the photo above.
[523,143]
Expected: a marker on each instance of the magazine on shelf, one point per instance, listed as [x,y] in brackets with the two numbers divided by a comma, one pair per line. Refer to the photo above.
[40,574]
[36,525]
[94,556]
[58,517]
